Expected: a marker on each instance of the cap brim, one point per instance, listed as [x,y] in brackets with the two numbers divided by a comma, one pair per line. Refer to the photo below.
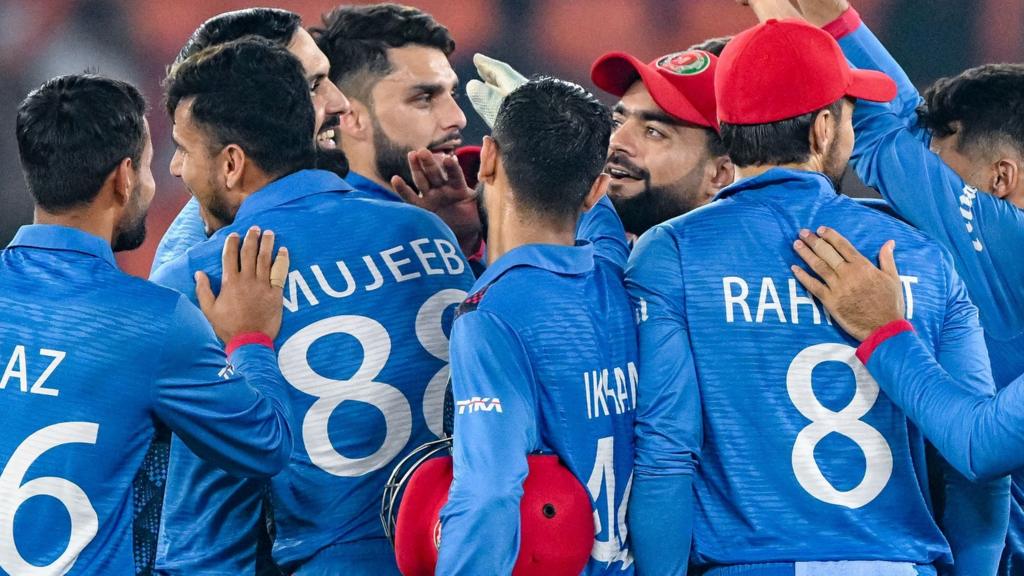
[871,85]
[615,72]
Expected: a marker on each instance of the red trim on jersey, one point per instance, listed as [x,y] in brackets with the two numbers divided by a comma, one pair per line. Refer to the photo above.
[248,338]
[847,22]
[868,346]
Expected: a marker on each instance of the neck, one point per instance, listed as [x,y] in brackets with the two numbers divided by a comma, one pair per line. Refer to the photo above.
[519,230]
[367,168]
[95,223]
[752,171]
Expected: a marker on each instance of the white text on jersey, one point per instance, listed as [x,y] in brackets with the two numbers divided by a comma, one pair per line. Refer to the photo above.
[770,306]
[478,404]
[403,263]
[603,399]
[17,369]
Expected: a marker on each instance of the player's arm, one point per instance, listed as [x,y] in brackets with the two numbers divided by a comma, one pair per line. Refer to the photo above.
[981,435]
[235,414]
[185,231]
[669,432]
[602,227]
[480,523]
[976,514]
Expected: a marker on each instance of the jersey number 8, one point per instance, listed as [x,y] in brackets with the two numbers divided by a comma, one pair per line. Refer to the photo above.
[363,385]
[847,422]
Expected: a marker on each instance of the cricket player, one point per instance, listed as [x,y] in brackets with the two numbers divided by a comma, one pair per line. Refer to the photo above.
[758,430]
[363,344]
[284,28]
[982,436]
[95,358]
[544,351]
[405,124]
[955,170]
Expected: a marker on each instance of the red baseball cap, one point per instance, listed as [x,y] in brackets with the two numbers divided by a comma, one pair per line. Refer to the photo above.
[469,161]
[556,520]
[785,68]
[681,83]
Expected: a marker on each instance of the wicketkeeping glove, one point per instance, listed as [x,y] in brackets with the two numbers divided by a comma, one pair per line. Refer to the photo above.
[498,80]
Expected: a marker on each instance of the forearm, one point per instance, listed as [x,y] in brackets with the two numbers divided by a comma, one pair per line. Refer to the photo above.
[661,523]
[974,521]
[981,436]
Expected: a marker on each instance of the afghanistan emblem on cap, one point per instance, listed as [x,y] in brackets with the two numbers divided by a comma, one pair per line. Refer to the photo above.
[686,63]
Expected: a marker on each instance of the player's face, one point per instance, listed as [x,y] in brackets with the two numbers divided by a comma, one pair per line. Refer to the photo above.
[131,230]
[196,162]
[837,157]
[328,101]
[414,107]
[976,171]
[656,163]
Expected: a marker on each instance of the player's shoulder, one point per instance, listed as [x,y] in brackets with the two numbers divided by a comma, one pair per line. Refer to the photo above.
[514,294]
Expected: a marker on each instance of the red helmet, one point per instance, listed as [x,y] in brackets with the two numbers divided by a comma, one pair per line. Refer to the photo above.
[556,517]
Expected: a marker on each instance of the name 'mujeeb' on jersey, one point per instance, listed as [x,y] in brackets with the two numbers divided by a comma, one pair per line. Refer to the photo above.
[797,456]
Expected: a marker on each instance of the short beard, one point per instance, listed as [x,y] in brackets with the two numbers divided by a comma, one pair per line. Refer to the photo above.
[393,158]
[332,160]
[656,204]
[835,168]
[131,231]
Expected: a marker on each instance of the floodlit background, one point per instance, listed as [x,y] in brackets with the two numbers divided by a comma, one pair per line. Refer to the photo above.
[136,39]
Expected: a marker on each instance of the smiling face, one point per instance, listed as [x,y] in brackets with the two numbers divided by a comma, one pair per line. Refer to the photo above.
[414,107]
[199,165]
[657,163]
[328,101]
[131,230]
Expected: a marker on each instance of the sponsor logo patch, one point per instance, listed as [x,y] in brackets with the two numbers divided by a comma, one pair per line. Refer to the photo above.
[478,404]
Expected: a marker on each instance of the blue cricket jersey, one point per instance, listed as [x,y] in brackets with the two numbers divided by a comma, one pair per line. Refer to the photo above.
[981,231]
[547,335]
[94,358]
[751,393]
[364,349]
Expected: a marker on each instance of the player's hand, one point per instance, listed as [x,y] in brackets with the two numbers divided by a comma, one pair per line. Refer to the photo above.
[498,80]
[250,298]
[821,12]
[859,296]
[442,189]
[768,9]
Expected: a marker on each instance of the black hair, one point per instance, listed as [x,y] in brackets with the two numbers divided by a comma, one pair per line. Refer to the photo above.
[552,137]
[783,142]
[986,101]
[274,24]
[252,93]
[72,132]
[356,40]
[713,45]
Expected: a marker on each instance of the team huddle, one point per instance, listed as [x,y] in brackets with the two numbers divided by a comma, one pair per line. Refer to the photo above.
[648,340]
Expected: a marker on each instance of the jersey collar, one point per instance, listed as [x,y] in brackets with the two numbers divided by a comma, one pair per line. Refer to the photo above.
[566,260]
[51,237]
[371,188]
[291,187]
[776,178]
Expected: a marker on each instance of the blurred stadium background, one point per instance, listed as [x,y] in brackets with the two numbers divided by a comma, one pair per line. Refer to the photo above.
[136,39]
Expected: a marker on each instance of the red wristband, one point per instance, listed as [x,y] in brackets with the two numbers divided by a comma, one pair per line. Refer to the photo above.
[847,22]
[867,347]
[248,338]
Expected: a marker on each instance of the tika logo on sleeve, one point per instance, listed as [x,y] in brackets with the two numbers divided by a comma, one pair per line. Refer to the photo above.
[478,404]
[227,372]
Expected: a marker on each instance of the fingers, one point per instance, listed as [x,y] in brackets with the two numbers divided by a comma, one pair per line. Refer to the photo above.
[405,191]
[203,293]
[485,100]
[484,67]
[823,249]
[229,258]
[419,177]
[279,271]
[822,269]
[265,254]
[886,260]
[810,283]
[840,244]
[453,173]
[250,249]
[432,169]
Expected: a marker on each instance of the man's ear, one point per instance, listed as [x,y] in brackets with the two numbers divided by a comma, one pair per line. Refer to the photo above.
[488,161]
[1007,177]
[122,180]
[723,172]
[233,165]
[823,132]
[597,191]
[356,124]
